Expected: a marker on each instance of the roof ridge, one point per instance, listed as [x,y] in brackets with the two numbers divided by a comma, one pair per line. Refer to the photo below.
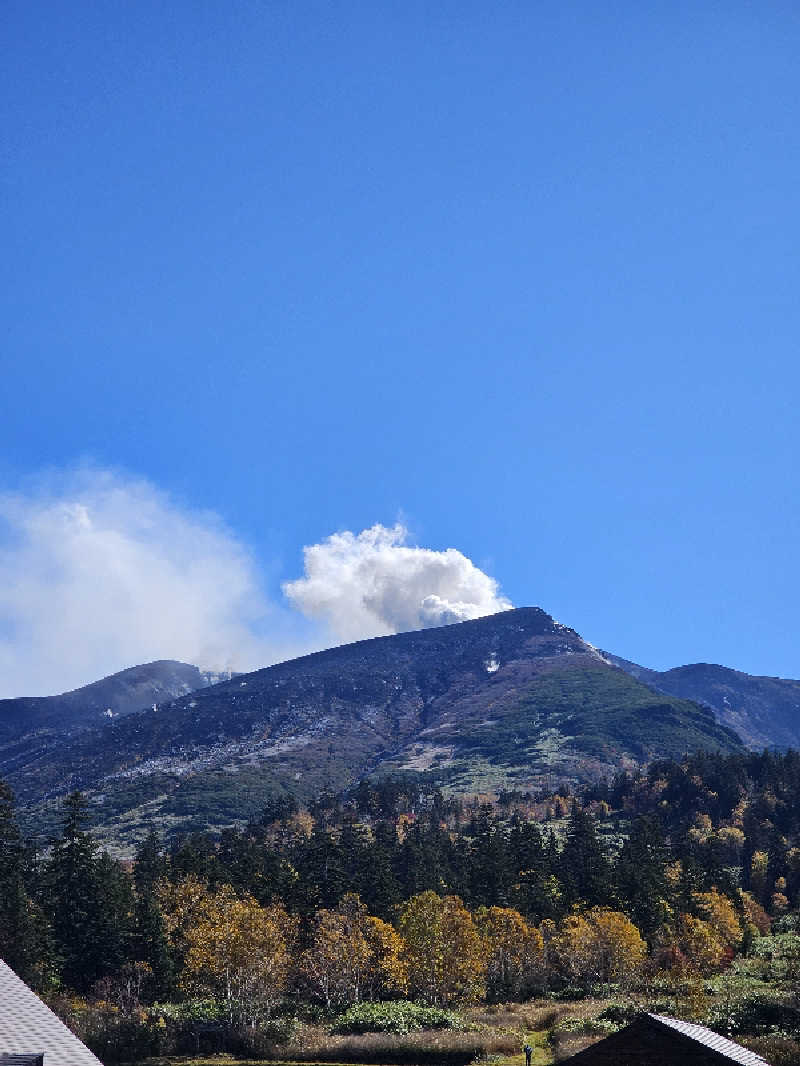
[710,1039]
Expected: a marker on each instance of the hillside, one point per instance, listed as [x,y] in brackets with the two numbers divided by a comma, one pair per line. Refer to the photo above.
[514,700]
[764,711]
[121,693]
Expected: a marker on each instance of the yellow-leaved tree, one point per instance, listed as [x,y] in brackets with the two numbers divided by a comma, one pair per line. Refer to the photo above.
[351,956]
[719,912]
[597,947]
[514,952]
[698,945]
[444,956]
[233,949]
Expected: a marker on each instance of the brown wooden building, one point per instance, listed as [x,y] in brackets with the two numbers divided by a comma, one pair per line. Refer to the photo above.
[655,1040]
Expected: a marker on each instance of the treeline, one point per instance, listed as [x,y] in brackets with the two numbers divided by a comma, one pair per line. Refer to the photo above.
[676,868]
[643,843]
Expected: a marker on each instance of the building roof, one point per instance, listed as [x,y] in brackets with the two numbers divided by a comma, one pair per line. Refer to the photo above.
[658,1040]
[708,1038]
[29,1027]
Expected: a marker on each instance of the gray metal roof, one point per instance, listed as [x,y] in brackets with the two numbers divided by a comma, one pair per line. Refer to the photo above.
[708,1038]
[28,1026]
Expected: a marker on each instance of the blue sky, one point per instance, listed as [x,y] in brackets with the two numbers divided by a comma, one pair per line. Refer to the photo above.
[523,276]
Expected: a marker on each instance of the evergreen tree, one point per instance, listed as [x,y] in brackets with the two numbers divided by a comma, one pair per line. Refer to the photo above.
[691,881]
[23,934]
[321,868]
[583,868]
[640,882]
[526,848]
[194,856]
[489,873]
[379,887]
[85,899]
[425,862]
[150,943]
[114,918]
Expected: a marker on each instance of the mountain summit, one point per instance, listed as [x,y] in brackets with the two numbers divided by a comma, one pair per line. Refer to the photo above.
[512,700]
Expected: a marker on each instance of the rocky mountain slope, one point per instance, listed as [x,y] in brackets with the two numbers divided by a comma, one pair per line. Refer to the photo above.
[512,700]
[764,711]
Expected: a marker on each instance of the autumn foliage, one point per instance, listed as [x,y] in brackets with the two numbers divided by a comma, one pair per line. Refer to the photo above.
[442,951]
[351,956]
[394,892]
[244,954]
[597,947]
[233,949]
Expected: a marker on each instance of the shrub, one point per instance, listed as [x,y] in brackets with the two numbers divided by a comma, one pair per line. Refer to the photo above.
[113,1036]
[588,1026]
[263,1041]
[778,1050]
[618,1013]
[574,1034]
[758,1015]
[400,1016]
[782,952]
[789,923]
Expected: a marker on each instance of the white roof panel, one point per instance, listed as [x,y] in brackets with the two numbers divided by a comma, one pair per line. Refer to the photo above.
[27,1025]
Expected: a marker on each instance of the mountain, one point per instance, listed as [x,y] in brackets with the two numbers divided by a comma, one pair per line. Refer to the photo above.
[764,711]
[514,700]
[122,693]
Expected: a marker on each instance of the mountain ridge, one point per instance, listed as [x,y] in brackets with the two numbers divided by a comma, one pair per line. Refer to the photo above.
[764,711]
[511,700]
[120,693]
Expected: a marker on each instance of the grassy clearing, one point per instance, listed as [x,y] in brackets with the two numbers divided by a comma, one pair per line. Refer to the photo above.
[494,1035]
[433,1047]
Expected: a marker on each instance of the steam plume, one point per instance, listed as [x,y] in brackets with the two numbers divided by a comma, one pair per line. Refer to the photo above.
[372,584]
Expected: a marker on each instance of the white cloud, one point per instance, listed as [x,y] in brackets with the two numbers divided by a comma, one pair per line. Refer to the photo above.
[102,571]
[373,584]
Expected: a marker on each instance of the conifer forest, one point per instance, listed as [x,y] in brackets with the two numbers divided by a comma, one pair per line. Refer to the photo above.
[394,909]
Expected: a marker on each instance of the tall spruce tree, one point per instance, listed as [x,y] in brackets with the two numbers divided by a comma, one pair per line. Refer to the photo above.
[535,891]
[583,868]
[379,887]
[23,931]
[150,942]
[490,877]
[114,917]
[640,882]
[86,901]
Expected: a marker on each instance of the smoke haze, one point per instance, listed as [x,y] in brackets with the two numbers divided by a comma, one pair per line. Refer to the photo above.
[106,572]
[100,571]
